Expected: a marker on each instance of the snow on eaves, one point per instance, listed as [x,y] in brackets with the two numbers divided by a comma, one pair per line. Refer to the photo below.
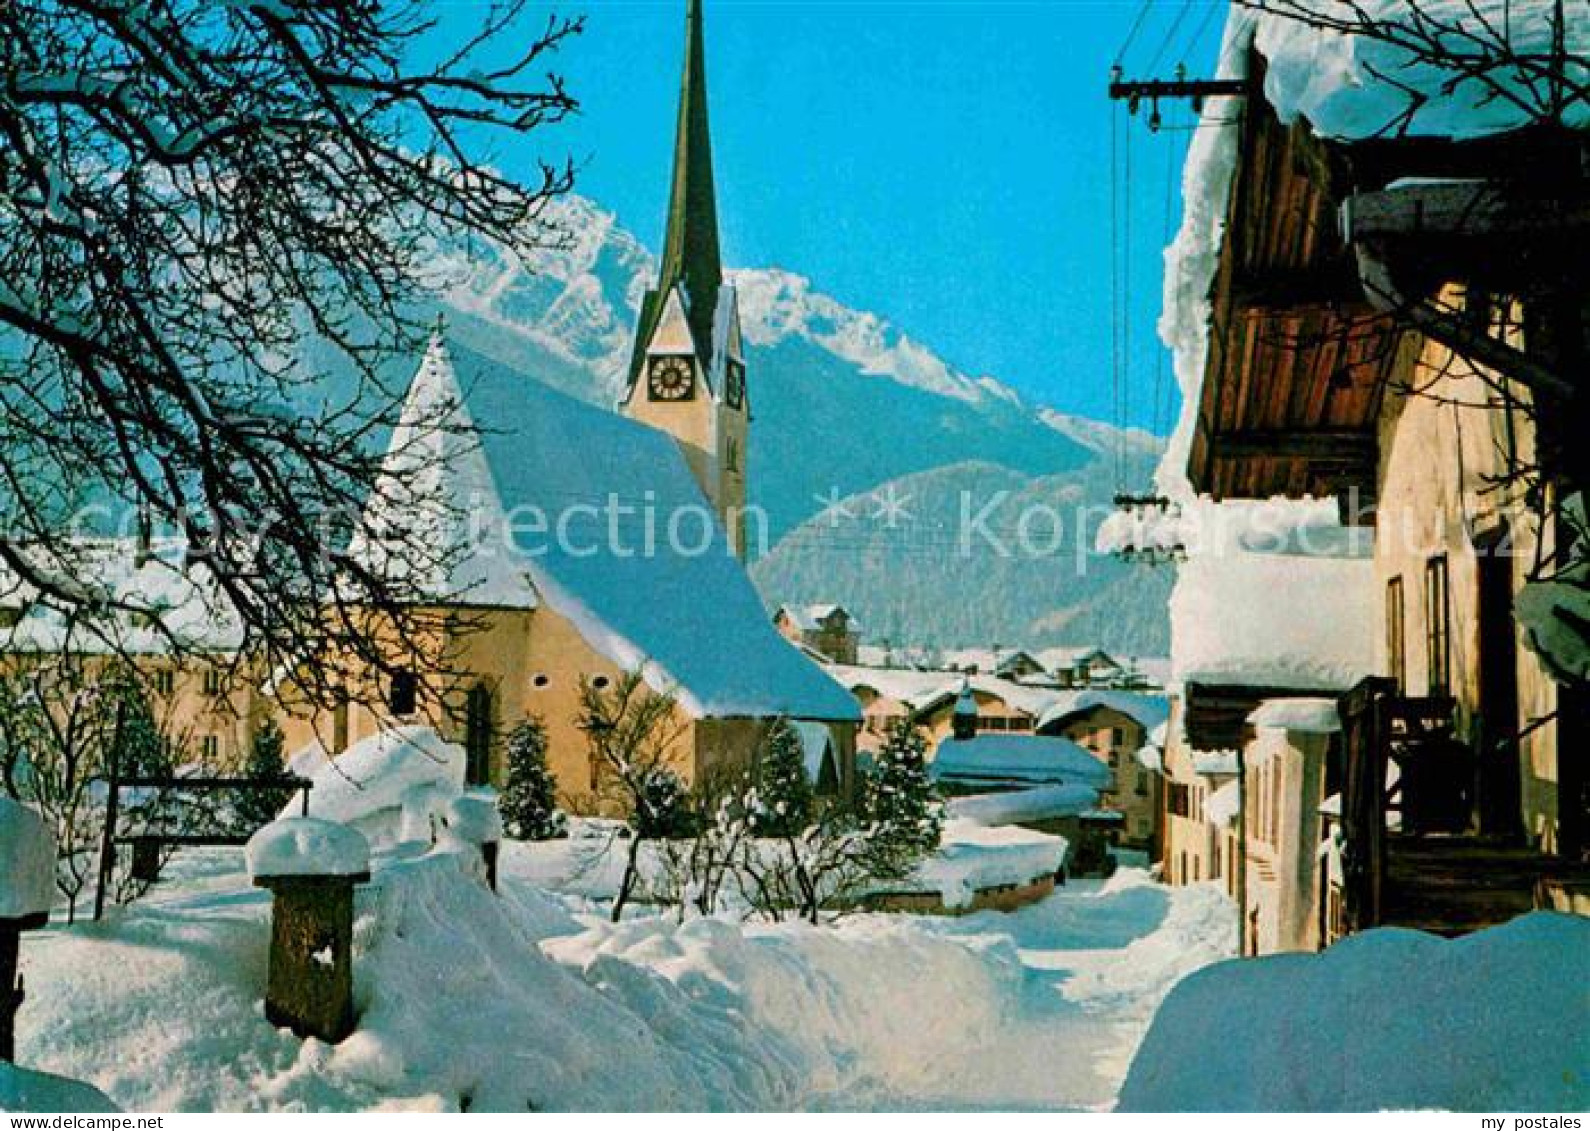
[1305,716]
[1330,80]
[1302,619]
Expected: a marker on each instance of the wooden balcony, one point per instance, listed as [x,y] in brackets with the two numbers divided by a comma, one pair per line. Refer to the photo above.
[1409,859]
[1454,885]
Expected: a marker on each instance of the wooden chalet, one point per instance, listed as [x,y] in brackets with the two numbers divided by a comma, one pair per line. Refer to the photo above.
[1348,273]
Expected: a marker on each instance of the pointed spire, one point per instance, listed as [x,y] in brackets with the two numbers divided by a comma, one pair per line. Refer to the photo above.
[690,250]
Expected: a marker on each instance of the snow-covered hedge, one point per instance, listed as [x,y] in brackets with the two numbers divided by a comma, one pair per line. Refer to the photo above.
[1389,1019]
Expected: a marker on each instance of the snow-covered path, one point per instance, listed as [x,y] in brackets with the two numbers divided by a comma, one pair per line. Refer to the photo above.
[531,1000]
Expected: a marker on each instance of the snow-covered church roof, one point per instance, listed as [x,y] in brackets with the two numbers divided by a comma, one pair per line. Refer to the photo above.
[598,517]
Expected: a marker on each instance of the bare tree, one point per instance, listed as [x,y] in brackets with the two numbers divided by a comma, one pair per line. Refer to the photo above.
[632,732]
[206,208]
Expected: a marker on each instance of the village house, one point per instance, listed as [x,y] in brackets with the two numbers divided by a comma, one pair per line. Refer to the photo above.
[162,621]
[1335,357]
[829,630]
[1006,663]
[1114,726]
[1225,816]
[1081,667]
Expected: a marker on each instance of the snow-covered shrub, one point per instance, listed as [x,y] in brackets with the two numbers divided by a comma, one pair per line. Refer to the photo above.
[529,796]
[900,803]
[784,798]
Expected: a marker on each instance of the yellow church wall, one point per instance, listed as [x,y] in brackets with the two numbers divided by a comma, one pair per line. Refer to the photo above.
[1439,461]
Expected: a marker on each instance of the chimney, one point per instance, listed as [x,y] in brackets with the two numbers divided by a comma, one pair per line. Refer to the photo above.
[963,725]
[143,537]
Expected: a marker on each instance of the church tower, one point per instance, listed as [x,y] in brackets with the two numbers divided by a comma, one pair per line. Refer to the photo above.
[687,373]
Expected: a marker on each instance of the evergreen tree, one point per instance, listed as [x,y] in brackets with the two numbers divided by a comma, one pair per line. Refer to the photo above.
[784,799]
[901,803]
[267,762]
[140,748]
[529,795]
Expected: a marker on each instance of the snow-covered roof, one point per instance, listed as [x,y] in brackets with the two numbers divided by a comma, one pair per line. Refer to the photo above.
[163,598]
[1149,711]
[1338,82]
[922,691]
[614,534]
[1041,803]
[974,857]
[436,490]
[811,618]
[995,759]
[1298,620]
[904,685]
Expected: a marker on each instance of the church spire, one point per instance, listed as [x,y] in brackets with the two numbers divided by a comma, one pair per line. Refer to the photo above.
[690,250]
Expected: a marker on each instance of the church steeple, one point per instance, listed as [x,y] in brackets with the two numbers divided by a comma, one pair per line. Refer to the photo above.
[690,251]
[687,375]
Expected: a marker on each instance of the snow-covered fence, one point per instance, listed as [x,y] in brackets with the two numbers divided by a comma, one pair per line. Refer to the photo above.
[310,868]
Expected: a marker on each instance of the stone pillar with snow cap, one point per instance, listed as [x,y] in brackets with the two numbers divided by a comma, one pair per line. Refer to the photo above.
[475,823]
[27,889]
[310,867]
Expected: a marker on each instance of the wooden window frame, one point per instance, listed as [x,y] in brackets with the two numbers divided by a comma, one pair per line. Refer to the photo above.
[1438,626]
[1397,632]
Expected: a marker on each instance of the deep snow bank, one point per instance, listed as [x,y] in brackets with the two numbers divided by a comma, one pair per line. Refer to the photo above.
[22,1090]
[1386,1019]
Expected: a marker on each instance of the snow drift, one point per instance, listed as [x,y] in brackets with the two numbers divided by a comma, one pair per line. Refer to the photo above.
[1388,1019]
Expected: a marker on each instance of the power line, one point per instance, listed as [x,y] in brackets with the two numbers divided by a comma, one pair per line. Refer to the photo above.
[1131,36]
[1164,44]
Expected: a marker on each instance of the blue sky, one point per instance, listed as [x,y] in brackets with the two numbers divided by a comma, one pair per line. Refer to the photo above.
[945,164]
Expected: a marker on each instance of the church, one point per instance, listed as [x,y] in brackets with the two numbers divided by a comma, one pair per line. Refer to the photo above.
[642,509]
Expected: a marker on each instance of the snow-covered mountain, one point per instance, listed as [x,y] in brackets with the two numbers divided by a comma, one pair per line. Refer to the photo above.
[845,404]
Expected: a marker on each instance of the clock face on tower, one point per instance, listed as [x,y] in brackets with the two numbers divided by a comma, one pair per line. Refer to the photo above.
[672,379]
[736,384]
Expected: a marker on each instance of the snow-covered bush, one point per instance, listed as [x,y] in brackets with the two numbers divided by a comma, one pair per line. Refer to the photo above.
[900,803]
[784,798]
[529,796]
